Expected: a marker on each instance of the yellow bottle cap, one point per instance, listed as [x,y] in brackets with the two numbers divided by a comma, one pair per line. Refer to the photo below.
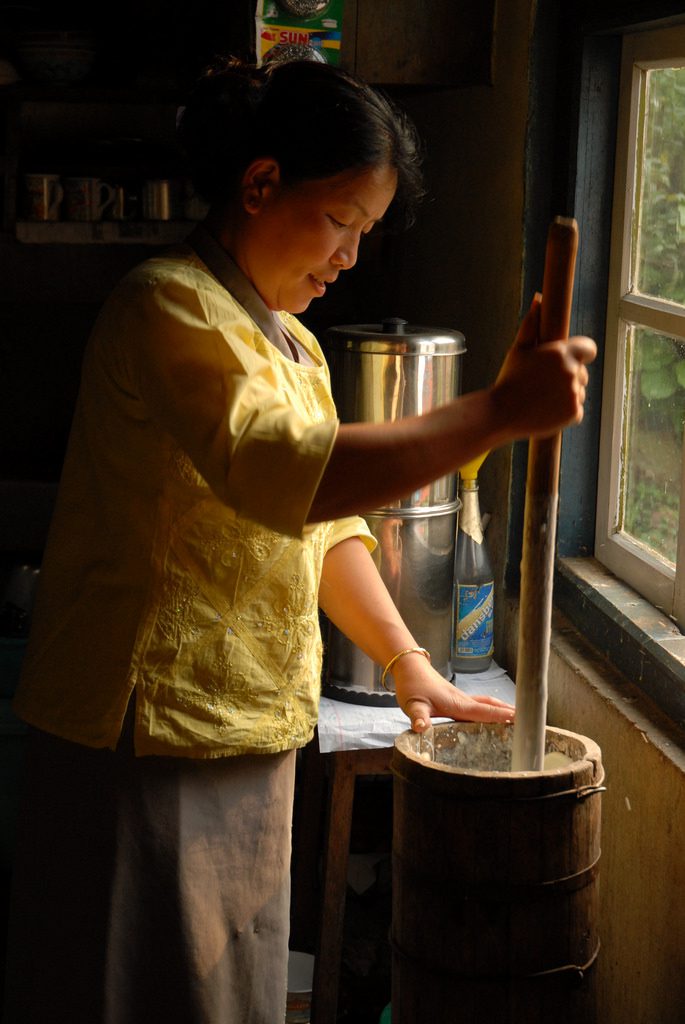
[469,471]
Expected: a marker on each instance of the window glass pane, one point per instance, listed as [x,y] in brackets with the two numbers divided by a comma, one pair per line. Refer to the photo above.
[660,251]
[655,411]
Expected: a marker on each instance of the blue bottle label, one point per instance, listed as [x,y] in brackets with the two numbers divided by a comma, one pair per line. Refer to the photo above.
[475,606]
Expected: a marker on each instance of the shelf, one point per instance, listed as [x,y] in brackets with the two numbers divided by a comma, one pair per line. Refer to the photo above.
[103,232]
[89,92]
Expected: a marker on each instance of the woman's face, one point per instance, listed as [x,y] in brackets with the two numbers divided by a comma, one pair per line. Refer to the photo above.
[297,238]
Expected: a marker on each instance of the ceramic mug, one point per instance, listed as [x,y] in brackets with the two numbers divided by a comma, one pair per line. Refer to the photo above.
[87,198]
[44,193]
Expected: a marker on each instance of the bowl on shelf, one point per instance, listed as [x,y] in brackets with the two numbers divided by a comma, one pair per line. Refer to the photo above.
[56,56]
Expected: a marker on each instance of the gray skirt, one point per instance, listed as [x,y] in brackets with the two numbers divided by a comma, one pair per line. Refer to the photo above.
[150,889]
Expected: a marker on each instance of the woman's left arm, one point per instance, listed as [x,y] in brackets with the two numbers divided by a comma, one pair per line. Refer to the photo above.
[355,599]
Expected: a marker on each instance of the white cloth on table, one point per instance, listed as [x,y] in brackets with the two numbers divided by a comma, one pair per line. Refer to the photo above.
[346,726]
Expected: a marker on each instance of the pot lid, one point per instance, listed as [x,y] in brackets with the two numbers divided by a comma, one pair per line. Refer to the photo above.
[397,336]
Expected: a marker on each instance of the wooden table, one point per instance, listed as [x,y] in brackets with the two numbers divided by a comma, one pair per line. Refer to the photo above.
[351,741]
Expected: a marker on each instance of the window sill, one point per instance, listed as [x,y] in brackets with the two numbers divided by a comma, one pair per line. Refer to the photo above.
[642,642]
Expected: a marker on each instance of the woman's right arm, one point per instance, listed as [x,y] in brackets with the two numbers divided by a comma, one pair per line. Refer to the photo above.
[539,390]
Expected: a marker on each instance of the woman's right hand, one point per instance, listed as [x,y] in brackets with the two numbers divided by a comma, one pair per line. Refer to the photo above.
[541,386]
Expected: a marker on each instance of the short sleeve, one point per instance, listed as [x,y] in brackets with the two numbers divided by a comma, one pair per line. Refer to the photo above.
[351,526]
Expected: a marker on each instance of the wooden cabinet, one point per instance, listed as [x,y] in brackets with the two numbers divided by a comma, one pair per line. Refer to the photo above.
[419,42]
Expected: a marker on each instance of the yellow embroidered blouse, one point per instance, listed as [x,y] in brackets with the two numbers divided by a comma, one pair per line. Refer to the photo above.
[179,563]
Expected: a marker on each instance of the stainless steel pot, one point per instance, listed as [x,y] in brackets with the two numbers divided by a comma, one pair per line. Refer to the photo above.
[384,372]
[415,557]
[381,373]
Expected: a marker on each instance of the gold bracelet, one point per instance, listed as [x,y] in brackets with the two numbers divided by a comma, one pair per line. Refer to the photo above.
[396,657]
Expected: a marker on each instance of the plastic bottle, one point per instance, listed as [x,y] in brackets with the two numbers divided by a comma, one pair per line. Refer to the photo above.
[473,636]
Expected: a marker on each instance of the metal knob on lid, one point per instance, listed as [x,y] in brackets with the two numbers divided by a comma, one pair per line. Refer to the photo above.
[394,325]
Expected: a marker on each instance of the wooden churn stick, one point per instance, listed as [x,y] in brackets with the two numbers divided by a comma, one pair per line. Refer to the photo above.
[540,520]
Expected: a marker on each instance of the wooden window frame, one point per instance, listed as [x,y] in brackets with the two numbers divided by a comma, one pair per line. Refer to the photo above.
[651,577]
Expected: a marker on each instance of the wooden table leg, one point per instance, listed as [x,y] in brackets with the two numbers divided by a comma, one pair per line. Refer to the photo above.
[344,766]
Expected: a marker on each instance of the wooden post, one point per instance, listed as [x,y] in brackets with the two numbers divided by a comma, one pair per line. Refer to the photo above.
[540,519]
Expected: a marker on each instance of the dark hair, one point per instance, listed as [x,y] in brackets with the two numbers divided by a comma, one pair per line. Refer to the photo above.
[313,118]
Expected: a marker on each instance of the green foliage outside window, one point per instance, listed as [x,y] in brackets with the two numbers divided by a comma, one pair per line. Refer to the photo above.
[656,388]
[654,431]
[661,233]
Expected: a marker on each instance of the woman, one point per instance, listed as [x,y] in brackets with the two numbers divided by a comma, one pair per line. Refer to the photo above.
[209,499]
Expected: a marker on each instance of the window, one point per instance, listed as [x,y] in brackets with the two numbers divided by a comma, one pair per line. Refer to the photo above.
[640,534]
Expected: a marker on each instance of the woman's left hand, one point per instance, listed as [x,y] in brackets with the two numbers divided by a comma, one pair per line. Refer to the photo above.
[423,693]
